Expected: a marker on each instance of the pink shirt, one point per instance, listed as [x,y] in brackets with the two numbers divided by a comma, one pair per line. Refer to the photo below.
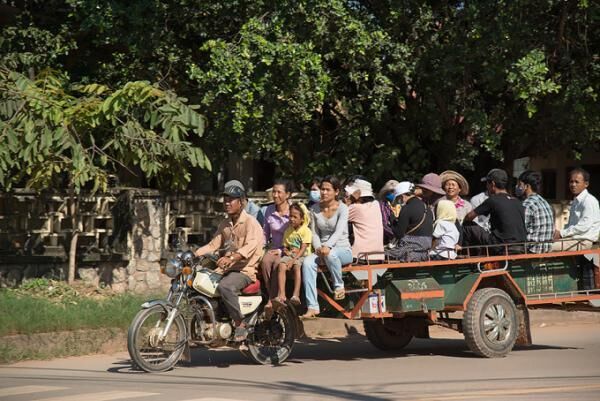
[367,227]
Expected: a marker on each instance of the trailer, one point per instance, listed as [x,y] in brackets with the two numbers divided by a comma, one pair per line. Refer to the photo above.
[486,297]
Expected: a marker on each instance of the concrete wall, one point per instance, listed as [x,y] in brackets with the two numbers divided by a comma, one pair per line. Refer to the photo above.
[127,260]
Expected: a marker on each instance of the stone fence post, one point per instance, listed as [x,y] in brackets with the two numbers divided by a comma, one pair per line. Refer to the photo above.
[146,246]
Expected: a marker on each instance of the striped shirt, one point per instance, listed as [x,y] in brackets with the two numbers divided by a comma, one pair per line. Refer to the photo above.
[539,222]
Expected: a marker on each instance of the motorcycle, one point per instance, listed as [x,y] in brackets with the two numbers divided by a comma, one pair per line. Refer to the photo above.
[193,315]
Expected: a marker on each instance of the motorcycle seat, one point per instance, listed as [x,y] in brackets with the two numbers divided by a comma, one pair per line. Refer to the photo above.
[252,289]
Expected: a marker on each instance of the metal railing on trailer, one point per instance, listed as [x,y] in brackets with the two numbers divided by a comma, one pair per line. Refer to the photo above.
[486,262]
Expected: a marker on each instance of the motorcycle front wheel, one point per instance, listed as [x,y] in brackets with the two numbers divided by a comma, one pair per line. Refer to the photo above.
[145,347]
[272,340]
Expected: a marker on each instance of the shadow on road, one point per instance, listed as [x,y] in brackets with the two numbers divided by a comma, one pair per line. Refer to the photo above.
[352,348]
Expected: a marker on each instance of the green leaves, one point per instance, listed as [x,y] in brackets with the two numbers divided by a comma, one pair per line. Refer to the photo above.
[528,80]
[314,86]
[89,132]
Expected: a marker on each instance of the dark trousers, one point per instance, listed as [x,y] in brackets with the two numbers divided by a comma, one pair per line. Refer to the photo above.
[229,287]
[268,267]
[474,234]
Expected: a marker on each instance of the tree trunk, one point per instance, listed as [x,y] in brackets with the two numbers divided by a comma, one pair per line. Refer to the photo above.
[73,257]
[73,210]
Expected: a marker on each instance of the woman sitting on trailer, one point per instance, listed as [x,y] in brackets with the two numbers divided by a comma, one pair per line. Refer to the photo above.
[413,228]
[456,186]
[389,210]
[329,226]
[445,231]
[364,214]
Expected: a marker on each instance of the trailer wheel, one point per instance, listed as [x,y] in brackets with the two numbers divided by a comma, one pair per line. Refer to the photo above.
[490,323]
[387,335]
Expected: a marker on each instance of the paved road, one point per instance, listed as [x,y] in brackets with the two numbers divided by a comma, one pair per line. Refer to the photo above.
[564,365]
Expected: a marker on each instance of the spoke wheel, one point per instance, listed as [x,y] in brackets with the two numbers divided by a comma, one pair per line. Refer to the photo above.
[272,340]
[490,323]
[146,347]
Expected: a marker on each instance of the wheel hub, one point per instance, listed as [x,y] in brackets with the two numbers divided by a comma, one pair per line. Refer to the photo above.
[154,337]
[496,324]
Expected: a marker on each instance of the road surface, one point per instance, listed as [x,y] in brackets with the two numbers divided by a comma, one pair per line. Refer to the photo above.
[563,365]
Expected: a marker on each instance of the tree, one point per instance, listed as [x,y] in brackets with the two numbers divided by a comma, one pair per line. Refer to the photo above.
[56,130]
[385,88]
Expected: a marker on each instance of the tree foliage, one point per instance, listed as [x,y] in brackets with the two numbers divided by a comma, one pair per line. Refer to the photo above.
[385,88]
[54,129]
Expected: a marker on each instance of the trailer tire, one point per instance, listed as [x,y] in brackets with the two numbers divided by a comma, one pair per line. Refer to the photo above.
[387,335]
[490,323]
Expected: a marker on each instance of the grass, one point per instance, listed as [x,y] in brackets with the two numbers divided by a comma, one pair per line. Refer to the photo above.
[27,315]
[50,345]
[87,318]
[42,306]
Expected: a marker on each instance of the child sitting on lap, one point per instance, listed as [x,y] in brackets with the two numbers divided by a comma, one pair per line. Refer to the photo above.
[297,244]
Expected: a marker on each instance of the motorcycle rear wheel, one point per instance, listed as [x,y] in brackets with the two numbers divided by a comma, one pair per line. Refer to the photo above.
[272,340]
[145,349]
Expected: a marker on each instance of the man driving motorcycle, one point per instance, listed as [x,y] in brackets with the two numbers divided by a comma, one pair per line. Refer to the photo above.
[244,237]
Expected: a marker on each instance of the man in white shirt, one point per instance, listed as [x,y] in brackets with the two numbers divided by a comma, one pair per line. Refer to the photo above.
[583,227]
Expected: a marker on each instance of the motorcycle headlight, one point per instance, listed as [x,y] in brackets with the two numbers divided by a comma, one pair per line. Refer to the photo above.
[187,258]
[173,268]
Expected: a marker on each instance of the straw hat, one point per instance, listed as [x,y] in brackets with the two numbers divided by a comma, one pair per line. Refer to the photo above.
[460,180]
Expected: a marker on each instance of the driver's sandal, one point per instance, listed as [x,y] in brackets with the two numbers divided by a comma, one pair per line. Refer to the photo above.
[241,333]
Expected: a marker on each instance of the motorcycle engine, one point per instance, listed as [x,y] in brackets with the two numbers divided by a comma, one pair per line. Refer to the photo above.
[203,327]
[225,330]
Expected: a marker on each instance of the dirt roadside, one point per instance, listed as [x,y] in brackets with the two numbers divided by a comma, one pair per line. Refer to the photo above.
[106,341]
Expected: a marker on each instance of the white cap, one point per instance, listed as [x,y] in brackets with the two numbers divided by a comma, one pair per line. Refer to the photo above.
[365,188]
[403,187]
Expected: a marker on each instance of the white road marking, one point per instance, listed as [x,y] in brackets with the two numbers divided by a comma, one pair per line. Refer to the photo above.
[5,392]
[484,394]
[214,399]
[106,396]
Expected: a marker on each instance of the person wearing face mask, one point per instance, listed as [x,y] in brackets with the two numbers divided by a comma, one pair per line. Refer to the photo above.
[314,194]
[389,209]
[329,226]
[539,218]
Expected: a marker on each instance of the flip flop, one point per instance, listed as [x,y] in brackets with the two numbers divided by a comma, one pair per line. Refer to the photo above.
[310,314]
[278,303]
[295,300]
[241,333]
[339,294]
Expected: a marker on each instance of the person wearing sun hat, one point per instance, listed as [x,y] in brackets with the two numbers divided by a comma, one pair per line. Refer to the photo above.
[413,228]
[365,217]
[431,189]
[455,186]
